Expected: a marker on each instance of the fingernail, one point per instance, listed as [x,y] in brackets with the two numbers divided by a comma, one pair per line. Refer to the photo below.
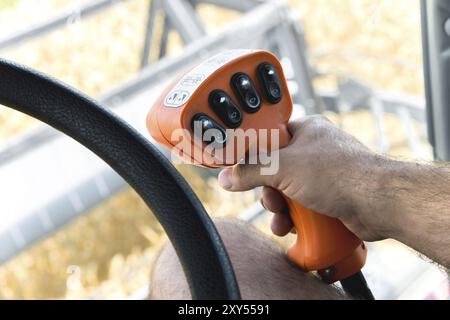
[262,203]
[225,179]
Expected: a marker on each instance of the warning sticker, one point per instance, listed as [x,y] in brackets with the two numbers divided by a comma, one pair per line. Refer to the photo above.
[192,81]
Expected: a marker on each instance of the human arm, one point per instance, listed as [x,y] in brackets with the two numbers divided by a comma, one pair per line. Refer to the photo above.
[331,172]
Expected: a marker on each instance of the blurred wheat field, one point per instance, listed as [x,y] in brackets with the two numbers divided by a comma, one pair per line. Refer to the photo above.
[378,41]
[108,252]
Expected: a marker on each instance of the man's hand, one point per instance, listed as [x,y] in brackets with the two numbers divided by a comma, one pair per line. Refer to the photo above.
[330,172]
[325,170]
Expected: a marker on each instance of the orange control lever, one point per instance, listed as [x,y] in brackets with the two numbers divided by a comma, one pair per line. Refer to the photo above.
[247,90]
[325,245]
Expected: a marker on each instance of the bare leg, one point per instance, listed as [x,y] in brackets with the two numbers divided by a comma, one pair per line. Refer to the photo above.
[261,268]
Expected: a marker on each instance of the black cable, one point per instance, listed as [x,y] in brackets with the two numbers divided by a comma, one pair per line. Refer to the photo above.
[356,286]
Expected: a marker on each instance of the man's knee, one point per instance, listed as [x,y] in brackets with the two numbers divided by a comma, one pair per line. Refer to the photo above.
[261,267]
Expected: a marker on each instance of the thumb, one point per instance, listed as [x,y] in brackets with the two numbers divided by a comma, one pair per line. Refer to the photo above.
[243,177]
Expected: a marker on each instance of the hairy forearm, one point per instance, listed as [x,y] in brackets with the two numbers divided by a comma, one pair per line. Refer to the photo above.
[418,200]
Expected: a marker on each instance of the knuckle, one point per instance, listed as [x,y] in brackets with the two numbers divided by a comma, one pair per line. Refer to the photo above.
[316,127]
[321,121]
[242,176]
[239,172]
[317,119]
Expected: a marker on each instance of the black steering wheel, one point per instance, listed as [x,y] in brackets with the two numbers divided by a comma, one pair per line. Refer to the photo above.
[198,245]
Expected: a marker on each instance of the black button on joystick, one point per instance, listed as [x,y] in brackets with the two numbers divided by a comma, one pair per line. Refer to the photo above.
[209,131]
[270,81]
[246,92]
[225,108]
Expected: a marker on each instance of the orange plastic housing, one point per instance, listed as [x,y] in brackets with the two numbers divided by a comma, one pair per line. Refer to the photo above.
[324,244]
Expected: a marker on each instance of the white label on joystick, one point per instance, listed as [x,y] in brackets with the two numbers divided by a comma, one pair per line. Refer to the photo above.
[184,89]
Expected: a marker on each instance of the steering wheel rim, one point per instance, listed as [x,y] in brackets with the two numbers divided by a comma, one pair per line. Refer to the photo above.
[196,241]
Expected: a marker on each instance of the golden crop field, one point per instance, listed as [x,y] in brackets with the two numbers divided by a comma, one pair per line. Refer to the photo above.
[108,252]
